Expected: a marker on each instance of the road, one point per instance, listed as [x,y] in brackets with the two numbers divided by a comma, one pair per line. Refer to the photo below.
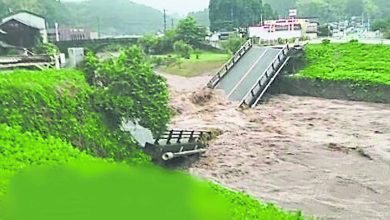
[244,75]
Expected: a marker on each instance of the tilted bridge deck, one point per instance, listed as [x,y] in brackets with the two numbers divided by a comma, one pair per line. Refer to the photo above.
[247,79]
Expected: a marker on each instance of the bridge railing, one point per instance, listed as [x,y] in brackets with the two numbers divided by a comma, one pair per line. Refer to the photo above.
[179,136]
[252,96]
[230,64]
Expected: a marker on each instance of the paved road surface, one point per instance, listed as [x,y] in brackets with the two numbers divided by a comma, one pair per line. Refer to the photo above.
[241,78]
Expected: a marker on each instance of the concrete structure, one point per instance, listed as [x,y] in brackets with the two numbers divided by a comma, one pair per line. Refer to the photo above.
[76,56]
[60,33]
[30,19]
[291,28]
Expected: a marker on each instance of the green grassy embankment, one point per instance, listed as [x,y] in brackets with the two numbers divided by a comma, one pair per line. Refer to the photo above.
[361,64]
[207,62]
[47,118]
[60,104]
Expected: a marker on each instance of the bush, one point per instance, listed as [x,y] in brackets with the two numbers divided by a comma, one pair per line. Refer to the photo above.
[182,49]
[325,41]
[233,44]
[126,88]
[46,49]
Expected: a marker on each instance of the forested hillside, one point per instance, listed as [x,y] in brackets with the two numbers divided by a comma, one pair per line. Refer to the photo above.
[202,17]
[111,17]
[53,10]
[333,10]
[117,16]
[226,15]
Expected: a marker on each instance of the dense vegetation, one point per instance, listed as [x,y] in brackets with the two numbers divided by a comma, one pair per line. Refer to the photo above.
[382,25]
[187,31]
[59,104]
[333,10]
[127,89]
[202,17]
[63,105]
[117,16]
[360,63]
[226,15]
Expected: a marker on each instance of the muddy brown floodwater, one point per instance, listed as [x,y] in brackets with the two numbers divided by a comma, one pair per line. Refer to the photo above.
[328,158]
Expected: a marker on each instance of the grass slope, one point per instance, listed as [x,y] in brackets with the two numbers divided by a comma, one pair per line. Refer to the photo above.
[207,62]
[360,63]
[19,150]
[59,104]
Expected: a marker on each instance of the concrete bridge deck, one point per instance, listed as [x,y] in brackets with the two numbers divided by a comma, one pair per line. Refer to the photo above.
[247,72]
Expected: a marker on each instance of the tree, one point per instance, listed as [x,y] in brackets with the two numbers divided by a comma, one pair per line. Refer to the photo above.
[127,89]
[354,7]
[233,44]
[282,6]
[148,43]
[230,14]
[189,31]
[182,49]
[202,17]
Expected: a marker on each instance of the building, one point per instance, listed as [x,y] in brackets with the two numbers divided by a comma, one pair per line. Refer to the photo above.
[291,28]
[71,34]
[29,19]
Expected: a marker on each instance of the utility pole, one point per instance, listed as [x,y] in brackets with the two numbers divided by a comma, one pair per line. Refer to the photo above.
[165,21]
[172,23]
[98,27]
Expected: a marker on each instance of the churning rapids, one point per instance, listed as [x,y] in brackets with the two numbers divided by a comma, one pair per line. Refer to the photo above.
[328,158]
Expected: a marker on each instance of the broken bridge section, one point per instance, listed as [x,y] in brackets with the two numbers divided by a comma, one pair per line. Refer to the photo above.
[250,73]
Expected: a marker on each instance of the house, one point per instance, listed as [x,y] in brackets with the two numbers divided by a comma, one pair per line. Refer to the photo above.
[290,28]
[23,29]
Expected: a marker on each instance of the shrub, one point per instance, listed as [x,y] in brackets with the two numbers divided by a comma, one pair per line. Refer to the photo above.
[182,49]
[46,48]
[233,44]
[325,41]
[126,88]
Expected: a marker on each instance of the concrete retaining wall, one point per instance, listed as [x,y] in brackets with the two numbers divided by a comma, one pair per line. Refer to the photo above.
[345,90]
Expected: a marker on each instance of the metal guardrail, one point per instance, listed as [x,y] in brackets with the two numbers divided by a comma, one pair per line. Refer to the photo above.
[177,136]
[178,143]
[229,64]
[257,91]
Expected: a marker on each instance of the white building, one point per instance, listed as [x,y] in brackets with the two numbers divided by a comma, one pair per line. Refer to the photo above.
[30,19]
[291,28]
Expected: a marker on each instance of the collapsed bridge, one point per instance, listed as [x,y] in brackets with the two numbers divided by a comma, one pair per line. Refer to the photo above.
[248,75]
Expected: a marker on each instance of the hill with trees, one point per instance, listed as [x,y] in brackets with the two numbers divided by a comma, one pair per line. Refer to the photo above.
[202,17]
[116,16]
[333,10]
[113,17]
[226,15]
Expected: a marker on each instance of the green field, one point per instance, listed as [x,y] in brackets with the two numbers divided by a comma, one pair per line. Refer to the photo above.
[207,62]
[360,63]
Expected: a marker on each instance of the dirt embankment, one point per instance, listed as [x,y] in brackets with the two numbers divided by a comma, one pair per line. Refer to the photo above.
[328,158]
